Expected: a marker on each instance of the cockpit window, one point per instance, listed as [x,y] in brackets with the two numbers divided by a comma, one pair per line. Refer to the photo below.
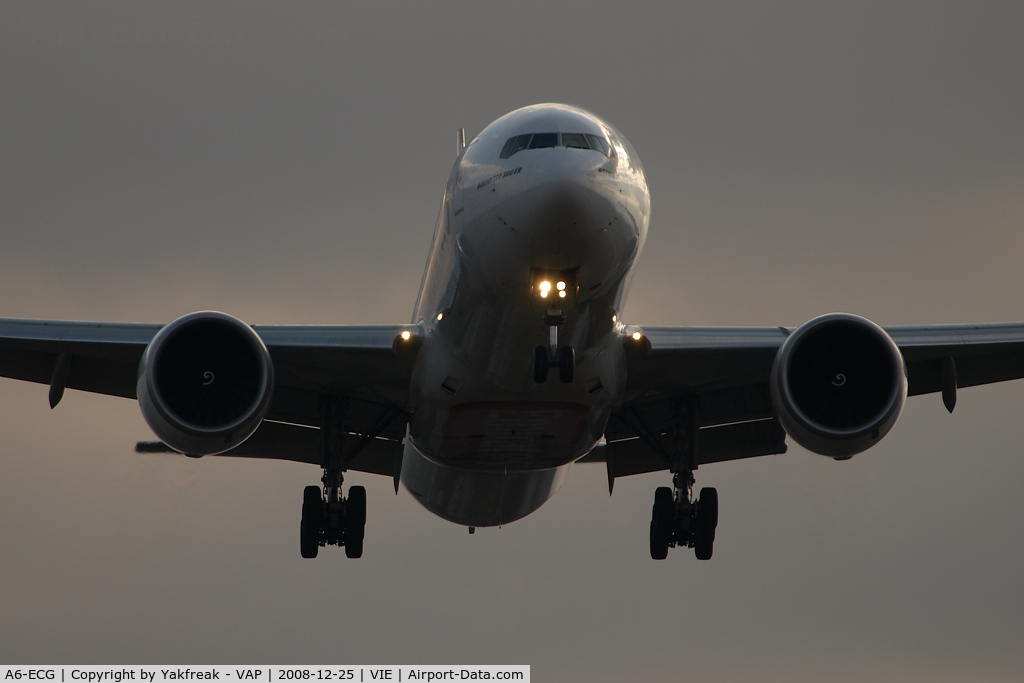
[577,140]
[599,144]
[545,140]
[542,140]
[506,151]
[518,144]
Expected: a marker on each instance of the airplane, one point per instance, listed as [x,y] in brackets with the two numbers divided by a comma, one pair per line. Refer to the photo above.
[517,362]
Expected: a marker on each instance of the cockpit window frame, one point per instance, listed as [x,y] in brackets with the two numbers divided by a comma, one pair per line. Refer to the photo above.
[521,143]
[605,148]
[578,141]
[506,151]
[545,140]
[518,143]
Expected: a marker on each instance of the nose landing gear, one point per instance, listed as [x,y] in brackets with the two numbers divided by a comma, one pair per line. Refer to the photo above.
[678,520]
[565,361]
[562,357]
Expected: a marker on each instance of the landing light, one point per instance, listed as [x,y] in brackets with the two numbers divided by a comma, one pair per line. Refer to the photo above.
[637,336]
[406,334]
[615,318]
[440,315]
[562,285]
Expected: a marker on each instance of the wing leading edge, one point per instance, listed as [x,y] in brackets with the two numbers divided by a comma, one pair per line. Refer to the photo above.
[682,360]
[718,379]
[354,364]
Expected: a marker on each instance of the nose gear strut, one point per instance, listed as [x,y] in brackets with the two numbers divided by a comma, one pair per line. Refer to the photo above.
[563,358]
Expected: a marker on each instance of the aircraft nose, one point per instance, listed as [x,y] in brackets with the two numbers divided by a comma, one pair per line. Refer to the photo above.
[564,169]
[571,213]
[572,200]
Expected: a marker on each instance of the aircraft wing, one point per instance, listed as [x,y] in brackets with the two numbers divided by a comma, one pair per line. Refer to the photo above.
[356,363]
[721,378]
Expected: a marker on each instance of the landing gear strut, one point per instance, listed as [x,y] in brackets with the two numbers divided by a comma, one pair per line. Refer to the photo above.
[678,517]
[679,520]
[553,355]
[328,518]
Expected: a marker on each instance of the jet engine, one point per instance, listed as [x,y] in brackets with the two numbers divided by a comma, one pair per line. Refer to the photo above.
[205,382]
[838,385]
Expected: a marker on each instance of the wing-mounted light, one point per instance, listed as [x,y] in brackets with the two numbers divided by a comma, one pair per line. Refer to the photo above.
[634,340]
[409,340]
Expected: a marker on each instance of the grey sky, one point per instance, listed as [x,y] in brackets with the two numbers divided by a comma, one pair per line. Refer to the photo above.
[286,164]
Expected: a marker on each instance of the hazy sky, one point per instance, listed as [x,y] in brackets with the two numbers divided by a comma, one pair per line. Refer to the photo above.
[285,163]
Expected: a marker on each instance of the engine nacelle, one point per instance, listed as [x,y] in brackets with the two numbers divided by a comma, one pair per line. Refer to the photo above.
[838,385]
[205,383]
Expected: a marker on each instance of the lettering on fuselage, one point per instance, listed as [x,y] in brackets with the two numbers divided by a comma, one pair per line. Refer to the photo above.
[498,176]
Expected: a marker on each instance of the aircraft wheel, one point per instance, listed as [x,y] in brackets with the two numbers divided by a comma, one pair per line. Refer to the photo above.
[664,506]
[662,517]
[354,548]
[540,365]
[312,521]
[659,541]
[355,522]
[355,510]
[707,509]
[566,364]
[707,520]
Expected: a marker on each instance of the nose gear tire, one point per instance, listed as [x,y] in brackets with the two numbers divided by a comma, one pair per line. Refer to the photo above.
[540,364]
[566,364]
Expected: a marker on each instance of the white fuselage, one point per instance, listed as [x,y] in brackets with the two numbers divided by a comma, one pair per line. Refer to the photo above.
[488,444]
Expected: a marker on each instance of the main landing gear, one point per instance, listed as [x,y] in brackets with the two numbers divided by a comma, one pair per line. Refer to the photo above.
[553,355]
[678,520]
[670,431]
[330,519]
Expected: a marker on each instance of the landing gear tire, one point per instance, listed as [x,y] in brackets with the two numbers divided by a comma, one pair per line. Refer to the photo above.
[662,518]
[677,520]
[707,521]
[659,541]
[664,506]
[312,522]
[540,364]
[707,509]
[566,364]
[354,548]
[356,510]
[355,522]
